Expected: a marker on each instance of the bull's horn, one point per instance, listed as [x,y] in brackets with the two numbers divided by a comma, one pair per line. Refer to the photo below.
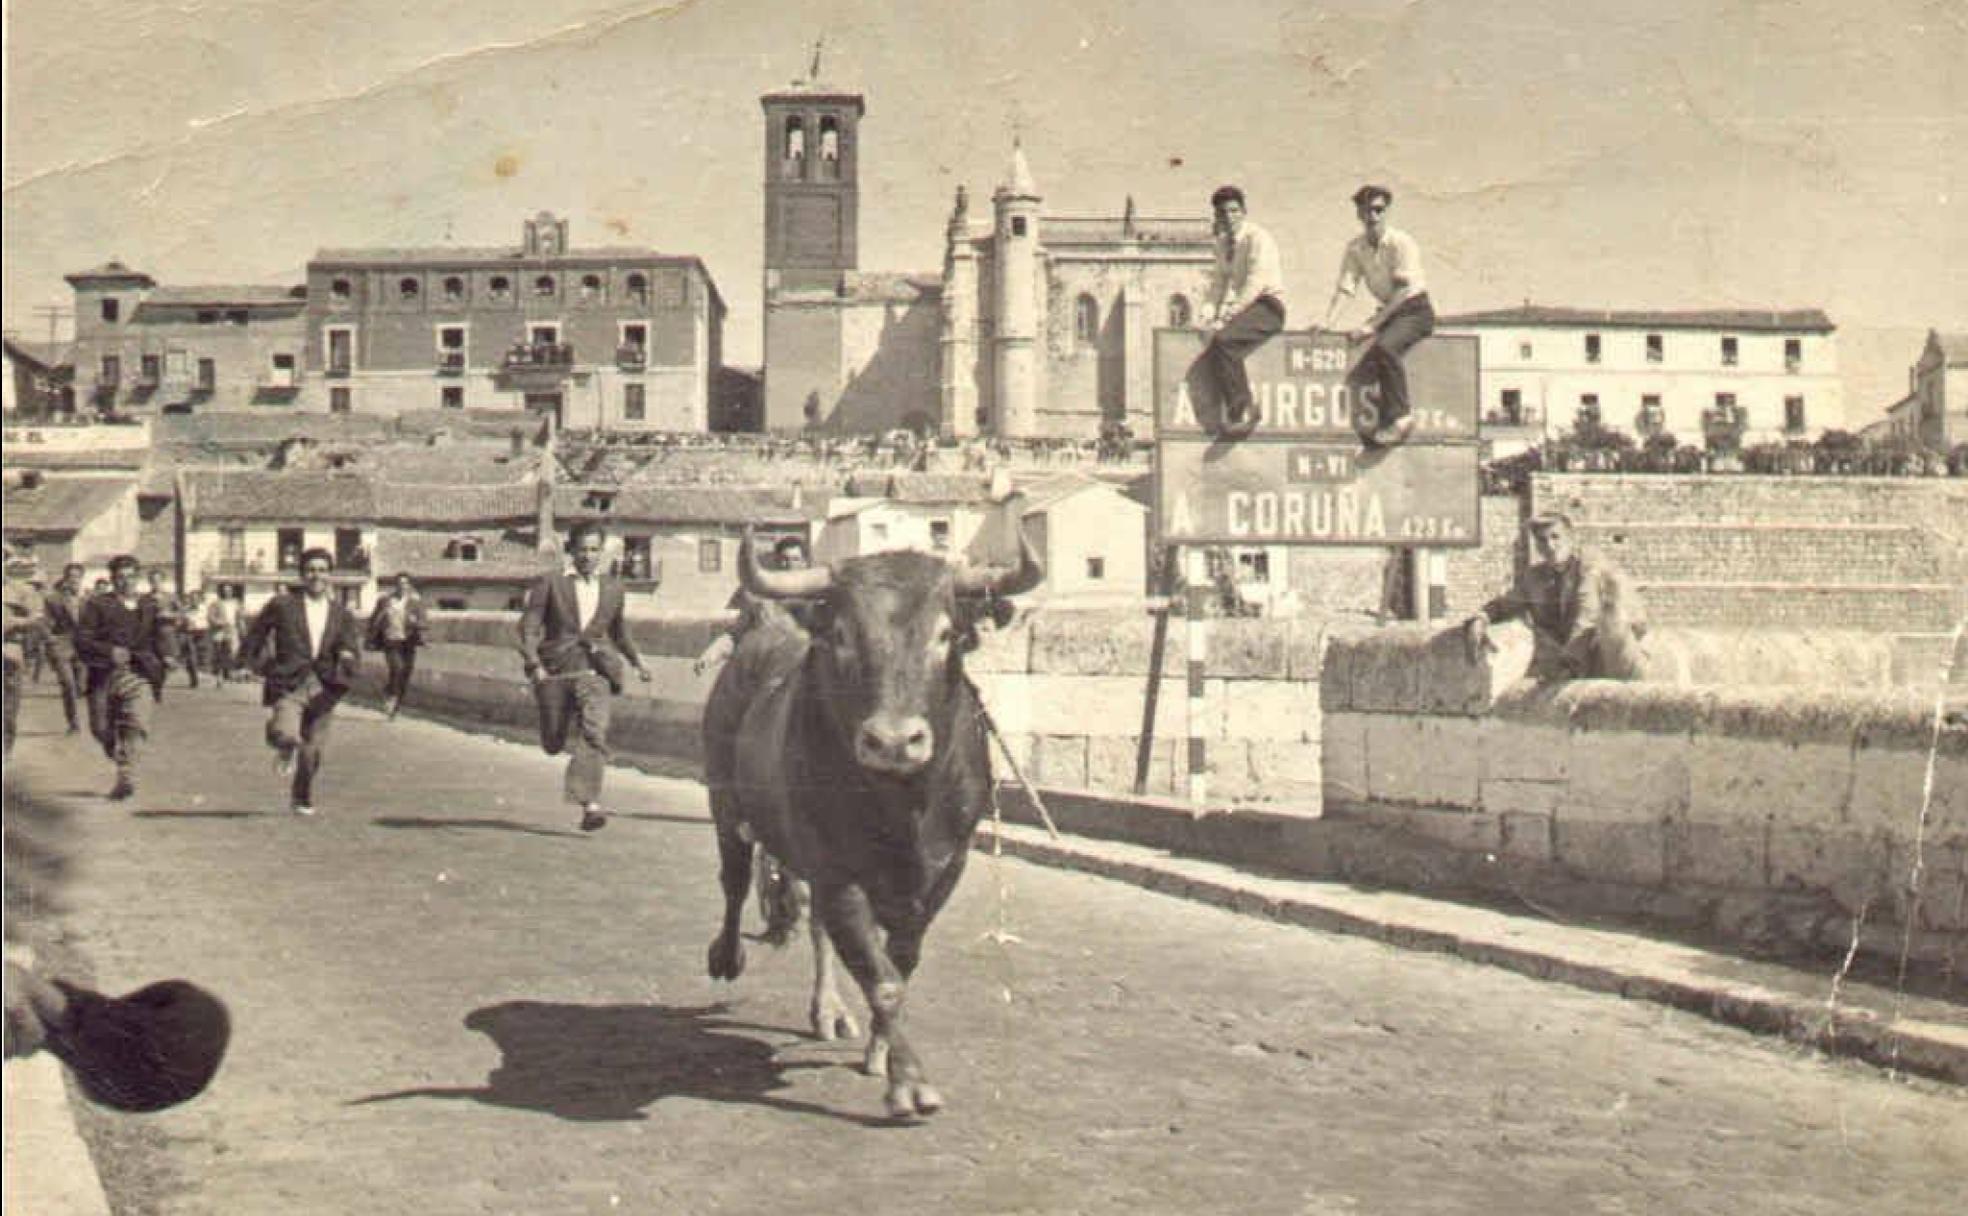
[1004,580]
[779,584]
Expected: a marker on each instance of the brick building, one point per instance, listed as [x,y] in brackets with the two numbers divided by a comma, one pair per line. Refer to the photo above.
[1037,326]
[599,338]
[140,347]
[1766,375]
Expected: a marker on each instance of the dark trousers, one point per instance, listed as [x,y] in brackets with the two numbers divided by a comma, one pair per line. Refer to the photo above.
[119,716]
[401,659]
[1381,367]
[299,728]
[191,652]
[1254,325]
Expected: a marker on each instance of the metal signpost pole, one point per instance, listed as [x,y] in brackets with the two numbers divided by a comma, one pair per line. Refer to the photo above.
[1196,595]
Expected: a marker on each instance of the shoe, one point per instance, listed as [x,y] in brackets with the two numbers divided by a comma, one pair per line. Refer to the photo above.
[1239,421]
[283,763]
[302,809]
[123,789]
[1394,432]
[592,819]
[73,729]
[391,706]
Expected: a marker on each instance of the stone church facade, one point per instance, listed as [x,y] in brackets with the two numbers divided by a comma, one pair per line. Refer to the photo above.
[1039,326]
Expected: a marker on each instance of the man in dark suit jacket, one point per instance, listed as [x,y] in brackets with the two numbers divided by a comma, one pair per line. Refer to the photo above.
[125,641]
[573,643]
[307,649]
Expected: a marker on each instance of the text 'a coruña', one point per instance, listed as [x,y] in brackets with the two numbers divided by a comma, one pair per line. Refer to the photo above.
[1309,514]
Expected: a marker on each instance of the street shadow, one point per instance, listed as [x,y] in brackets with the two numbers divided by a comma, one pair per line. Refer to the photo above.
[659,817]
[480,824]
[170,814]
[608,1063]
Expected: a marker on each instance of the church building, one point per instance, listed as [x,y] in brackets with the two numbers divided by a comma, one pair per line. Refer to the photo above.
[1039,326]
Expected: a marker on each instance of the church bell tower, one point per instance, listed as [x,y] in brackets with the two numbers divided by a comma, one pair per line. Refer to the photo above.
[812,186]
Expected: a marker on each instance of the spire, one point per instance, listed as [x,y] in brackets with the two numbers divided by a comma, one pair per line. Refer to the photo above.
[1018,175]
[1127,217]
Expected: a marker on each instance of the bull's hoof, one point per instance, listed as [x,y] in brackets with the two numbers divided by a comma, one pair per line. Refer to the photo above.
[907,1099]
[831,1020]
[727,957]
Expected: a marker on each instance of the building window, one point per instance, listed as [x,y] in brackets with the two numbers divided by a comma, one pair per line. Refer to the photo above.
[287,546]
[341,351]
[407,290]
[452,397]
[1086,320]
[232,548]
[150,368]
[1096,568]
[635,404]
[1729,352]
[340,290]
[112,310]
[710,555]
[1179,312]
[639,289]
[795,146]
[454,290]
[543,287]
[939,534]
[830,148]
[1254,566]
[112,369]
[208,375]
[1652,419]
[636,559]
[451,337]
[238,316]
[1513,405]
[1018,225]
[340,399]
[1524,351]
[1793,354]
[1656,348]
[208,316]
[467,550]
[591,287]
[598,500]
[456,603]
[878,533]
[1725,404]
[1794,415]
[1592,349]
[501,287]
[1588,412]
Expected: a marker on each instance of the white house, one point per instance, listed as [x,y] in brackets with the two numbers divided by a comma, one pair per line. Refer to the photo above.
[1652,372]
[1091,536]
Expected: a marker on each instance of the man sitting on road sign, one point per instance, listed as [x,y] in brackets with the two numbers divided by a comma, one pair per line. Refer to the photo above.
[1388,261]
[1585,614]
[1247,306]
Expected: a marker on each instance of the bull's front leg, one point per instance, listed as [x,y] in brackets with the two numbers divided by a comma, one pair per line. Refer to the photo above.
[828,1013]
[851,924]
[727,953]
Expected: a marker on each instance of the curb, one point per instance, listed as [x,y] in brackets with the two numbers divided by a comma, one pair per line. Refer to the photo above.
[1638,968]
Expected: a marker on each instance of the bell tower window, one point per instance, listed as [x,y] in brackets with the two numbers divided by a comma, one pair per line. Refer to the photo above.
[793,150]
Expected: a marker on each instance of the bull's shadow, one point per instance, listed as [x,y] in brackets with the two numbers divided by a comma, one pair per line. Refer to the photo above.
[608,1063]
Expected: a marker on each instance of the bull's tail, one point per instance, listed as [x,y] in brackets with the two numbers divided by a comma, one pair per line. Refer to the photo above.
[781,897]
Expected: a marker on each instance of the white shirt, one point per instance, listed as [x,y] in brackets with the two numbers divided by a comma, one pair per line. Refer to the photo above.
[1247,267]
[317,621]
[587,597]
[1377,265]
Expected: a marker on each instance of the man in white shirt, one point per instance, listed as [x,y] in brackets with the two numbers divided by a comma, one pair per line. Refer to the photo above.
[307,649]
[1388,261]
[573,642]
[1246,308]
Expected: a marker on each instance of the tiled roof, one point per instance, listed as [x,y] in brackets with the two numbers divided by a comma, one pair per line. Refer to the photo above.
[474,462]
[462,255]
[280,496]
[503,556]
[680,504]
[42,354]
[109,270]
[24,456]
[259,427]
[61,506]
[234,295]
[438,503]
[924,489]
[477,423]
[1808,320]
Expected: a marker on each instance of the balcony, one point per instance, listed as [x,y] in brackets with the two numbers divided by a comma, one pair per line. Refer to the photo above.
[353,567]
[148,378]
[539,367]
[631,358]
[451,363]
[338,369]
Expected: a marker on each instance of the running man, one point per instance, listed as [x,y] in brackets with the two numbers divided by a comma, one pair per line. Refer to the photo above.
[125,640]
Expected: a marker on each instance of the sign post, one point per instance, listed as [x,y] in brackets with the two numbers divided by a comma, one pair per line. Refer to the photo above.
[1302,476]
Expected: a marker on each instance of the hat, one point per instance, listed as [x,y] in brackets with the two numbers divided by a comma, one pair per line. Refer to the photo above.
[1367,194]
[152,1049]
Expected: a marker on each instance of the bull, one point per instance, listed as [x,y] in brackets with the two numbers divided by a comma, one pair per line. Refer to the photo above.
[854,751]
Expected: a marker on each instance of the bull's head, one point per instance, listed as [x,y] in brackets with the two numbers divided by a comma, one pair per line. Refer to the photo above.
[889,633]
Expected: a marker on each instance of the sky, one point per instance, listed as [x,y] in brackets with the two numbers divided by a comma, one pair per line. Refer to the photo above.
[1586,153]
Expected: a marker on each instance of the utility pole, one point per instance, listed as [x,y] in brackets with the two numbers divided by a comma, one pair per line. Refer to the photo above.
[55,316]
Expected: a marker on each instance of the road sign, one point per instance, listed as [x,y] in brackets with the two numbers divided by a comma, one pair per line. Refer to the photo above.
[1332,493]
[1302,476]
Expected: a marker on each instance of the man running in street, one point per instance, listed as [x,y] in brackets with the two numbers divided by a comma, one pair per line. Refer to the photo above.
[307,649]
[64,606]
[125,640]
[396,628]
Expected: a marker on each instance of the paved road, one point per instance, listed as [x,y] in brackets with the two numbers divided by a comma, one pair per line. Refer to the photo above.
[447,1001]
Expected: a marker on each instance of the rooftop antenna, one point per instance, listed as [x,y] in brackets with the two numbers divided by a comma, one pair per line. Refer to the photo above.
[813,72]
